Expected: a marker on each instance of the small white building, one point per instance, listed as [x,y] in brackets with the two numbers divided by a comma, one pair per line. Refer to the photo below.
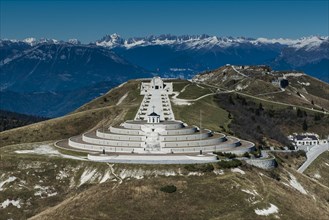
[157,84]
[305,140]
[153,118]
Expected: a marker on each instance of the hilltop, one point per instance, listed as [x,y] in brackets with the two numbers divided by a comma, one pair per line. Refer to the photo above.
[42,181]
[230,102]
[272,103]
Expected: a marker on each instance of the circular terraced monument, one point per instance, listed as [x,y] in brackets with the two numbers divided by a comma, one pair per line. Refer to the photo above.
[155,136]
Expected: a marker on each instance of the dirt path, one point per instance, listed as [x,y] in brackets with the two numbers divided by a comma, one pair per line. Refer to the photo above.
[265,100]
[122,98]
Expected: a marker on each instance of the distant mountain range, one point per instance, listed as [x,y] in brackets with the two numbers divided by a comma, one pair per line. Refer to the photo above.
[186,55]
[50,78]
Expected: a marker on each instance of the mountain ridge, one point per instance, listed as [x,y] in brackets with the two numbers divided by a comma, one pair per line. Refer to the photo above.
[54,66]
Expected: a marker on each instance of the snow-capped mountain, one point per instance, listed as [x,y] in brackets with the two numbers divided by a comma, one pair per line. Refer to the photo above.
[205,41]
[195,53]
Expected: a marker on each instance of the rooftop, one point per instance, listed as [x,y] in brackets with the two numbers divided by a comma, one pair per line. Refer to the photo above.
[302,137]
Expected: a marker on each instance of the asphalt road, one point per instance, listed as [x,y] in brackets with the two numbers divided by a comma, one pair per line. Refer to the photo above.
[312,154]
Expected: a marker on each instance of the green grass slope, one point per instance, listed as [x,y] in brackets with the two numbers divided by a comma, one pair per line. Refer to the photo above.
[102,110]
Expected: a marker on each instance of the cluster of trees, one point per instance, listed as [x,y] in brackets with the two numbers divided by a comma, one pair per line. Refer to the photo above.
[9,120]
[257,123]
[251,121]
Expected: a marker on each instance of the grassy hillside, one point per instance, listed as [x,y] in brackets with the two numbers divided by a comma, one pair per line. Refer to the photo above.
[102,110]
[60,128]
[212,116]
[303,90]
[49,186]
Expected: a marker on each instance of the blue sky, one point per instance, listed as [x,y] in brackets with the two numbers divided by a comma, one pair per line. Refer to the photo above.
[90,20]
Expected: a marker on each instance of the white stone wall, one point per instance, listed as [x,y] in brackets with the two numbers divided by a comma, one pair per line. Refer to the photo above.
[113,143]
[187,130]
[125,131]
[120,136]
[184,137]
[202,142]
[92,147]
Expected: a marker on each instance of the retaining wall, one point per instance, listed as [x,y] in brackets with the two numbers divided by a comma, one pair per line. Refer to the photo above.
[125,131]
[267,163]
[174,125]
[111,142]
[120,136]
[93,147]
[184,137]
[186,130]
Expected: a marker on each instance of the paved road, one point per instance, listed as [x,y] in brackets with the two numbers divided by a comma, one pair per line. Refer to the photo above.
[312,155]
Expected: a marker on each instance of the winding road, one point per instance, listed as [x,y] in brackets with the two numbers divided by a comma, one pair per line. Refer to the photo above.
[312,154]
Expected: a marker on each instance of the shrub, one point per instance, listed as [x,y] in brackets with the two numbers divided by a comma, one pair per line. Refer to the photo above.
[256,153]
[229,163]
[305,126]
[246,154]
[199,167]
[168,189]
[274,175]
[227,155]
[318,117]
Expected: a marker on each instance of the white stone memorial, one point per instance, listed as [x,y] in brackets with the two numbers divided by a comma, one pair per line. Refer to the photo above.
[154,136]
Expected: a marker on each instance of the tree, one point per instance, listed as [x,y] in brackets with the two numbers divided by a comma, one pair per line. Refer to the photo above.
[299,113]
[305,126]
[258,129]
[230,99]
[246,154]
[318,117]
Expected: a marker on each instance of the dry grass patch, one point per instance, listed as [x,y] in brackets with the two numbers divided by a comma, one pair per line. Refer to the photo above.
[319,169]
[212,116]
